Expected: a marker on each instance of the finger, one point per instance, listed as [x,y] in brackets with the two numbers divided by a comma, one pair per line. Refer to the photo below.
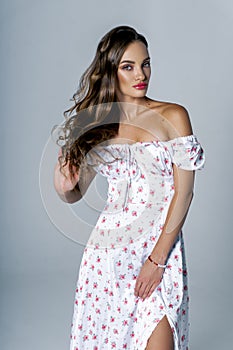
[149,290]
[137,288]
[146,292]
[142,290]
[152,289]
[75,170]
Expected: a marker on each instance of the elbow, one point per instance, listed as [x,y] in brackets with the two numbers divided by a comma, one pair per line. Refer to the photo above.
[190,197]
[70,197]
[70,200]
[185,196]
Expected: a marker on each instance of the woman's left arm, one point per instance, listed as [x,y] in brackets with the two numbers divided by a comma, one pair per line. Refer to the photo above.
[151,274]
[178,209]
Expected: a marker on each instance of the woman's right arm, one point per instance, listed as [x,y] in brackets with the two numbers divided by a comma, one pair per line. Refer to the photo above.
[68,187]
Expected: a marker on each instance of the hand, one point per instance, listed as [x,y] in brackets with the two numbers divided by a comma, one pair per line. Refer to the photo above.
[65,183]
[148,279]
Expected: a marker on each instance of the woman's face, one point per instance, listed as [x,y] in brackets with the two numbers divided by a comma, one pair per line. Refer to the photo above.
[133,72]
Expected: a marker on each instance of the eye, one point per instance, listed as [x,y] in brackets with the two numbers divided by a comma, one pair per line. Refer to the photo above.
[127,67]
[146,64]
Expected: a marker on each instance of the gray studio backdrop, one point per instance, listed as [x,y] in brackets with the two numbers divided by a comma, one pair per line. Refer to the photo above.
[45,46]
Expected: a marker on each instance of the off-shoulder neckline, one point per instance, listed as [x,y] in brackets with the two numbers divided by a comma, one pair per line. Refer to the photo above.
[192,136]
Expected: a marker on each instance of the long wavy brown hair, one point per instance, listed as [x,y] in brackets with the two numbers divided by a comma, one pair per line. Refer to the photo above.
[94,116]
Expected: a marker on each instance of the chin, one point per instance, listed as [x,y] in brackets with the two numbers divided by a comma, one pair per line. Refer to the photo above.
[137,94]
[140,94]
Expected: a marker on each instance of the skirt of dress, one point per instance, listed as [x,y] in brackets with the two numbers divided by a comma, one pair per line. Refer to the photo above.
[107,315]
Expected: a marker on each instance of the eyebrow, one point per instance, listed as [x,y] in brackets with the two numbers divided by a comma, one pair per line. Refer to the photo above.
[128,61]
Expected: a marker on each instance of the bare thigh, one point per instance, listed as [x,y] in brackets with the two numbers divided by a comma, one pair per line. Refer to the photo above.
[162,337]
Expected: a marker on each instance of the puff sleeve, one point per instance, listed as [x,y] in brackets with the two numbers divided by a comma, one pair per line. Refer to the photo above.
[187,153]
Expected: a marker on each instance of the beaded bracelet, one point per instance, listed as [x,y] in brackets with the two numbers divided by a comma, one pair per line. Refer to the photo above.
[154,262]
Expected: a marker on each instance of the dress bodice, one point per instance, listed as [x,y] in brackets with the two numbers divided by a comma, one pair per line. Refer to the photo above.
[123,160]
[140,177]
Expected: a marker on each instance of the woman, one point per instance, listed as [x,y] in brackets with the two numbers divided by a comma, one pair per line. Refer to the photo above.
[132,286]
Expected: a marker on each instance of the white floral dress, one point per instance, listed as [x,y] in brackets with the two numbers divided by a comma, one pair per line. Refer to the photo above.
[107,315]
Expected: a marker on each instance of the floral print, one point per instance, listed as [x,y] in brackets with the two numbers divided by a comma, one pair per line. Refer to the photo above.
[107,315]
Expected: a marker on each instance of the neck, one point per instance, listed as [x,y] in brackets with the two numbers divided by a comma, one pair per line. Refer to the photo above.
[132,107]
[134,100]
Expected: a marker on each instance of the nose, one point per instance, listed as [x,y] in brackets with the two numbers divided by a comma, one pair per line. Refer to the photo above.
[139,74]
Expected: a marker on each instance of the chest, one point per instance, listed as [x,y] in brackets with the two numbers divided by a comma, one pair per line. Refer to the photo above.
[143,129]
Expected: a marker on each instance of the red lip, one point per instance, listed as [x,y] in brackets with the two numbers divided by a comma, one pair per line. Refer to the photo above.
[140,86]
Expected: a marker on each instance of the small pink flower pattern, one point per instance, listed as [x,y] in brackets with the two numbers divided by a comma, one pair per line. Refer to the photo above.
[107,315]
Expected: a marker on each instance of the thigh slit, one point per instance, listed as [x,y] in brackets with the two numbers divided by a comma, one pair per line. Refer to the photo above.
[162,337]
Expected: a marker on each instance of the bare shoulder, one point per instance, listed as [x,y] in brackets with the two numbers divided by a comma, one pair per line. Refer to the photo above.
[177,117]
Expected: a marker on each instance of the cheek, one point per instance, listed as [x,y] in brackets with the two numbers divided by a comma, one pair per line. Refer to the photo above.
[148,73]
[123,78]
